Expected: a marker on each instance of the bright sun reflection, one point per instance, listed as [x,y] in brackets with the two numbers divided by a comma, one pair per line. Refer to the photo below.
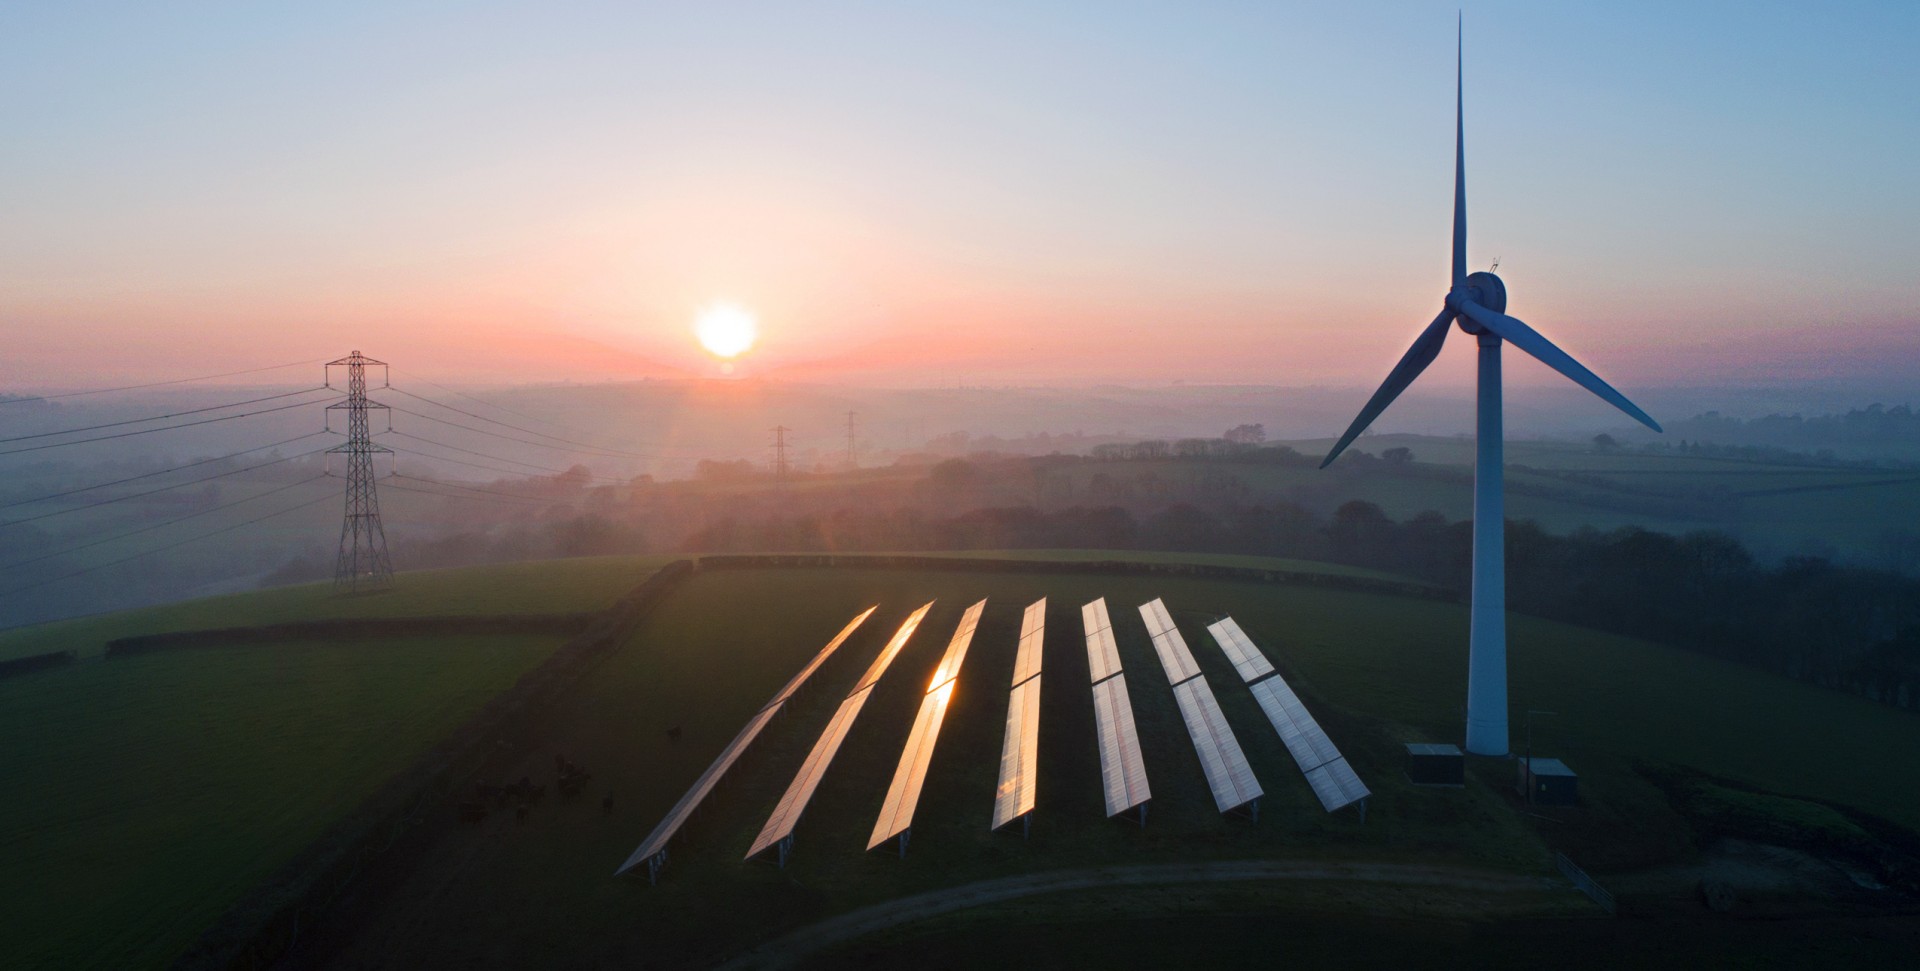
[726,330]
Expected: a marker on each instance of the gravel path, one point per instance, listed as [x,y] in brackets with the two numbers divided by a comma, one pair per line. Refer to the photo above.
[785,951]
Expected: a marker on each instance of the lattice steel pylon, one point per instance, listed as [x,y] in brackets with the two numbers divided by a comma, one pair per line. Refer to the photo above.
[780,468]
[363,563]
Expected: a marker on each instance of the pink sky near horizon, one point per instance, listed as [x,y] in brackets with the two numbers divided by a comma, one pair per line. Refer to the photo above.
[925,199]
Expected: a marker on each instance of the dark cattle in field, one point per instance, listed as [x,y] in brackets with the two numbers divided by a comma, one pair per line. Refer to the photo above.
[674,733]
[472,812]
[606,804]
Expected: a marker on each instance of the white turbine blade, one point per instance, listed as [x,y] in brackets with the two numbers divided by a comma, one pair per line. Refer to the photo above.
[1425,348]
[1527,339]
[1459,164]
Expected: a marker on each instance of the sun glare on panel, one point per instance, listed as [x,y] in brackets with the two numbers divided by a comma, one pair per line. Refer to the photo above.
[726,330]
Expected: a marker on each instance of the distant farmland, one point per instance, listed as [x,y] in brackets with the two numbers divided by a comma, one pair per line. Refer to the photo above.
[150,792]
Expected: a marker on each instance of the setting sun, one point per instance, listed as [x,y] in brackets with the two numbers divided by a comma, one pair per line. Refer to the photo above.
[726,330]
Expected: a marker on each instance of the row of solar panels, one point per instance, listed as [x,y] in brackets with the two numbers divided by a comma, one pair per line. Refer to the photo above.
[1229,776]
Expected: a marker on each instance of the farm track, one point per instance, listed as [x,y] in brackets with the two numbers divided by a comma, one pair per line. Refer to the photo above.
[790,949]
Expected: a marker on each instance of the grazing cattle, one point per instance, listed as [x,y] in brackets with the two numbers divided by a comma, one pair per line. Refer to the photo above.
[674,733]
[472,812]
[606,804]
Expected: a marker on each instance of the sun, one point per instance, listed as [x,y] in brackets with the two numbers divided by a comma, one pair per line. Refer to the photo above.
[726,330]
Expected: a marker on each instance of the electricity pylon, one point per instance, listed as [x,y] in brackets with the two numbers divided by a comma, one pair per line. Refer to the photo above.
[363,562]
[780,452]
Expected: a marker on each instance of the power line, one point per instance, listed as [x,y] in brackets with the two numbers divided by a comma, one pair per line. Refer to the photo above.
[496,458]
[177,414]
[510,411]
[450,495]
[159,384]
[150,492]
[148,529]
[149,475]
[522,441]
[149,431]
[516,428]
[169,546]
[510,496]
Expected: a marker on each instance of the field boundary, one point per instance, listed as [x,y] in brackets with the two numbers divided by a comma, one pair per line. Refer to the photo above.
[360,627]
[263,927]
[1197,571]
[14,667]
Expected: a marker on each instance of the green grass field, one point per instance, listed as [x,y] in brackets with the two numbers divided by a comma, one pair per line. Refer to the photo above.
[535,587]
[1377,671]
[147,794]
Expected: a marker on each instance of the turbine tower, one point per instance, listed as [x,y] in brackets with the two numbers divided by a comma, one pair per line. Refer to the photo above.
[1477,302]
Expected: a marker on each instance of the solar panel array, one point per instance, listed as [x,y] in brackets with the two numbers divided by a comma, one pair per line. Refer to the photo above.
[1123,772]
[654,848]
[1103,657]
[1327,771]
[1228,773]
[1020,749]
[1168,644]
[903,793]
[793,802]
[1247,659]
[1033,631]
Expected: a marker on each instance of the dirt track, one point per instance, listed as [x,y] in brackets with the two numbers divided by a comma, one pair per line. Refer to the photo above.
[785,951]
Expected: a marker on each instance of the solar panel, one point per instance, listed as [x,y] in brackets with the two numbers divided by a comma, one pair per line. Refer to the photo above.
[957,647]
[654,846]
[1168,644]
[657,840]
[793,802]
[1327,771]
[1103,656]
[1033,631]
[1019,755]
[1304,738]
[1228,774]
[879,666]
[1336,785]
[903,793]
[1240,649]
[821,658]
[1123,773]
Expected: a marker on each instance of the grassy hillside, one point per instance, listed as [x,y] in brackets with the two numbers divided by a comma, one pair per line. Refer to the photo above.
[538,587]
[148,793]
[1377,670]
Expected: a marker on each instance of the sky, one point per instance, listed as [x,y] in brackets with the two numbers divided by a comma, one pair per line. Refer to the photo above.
[916,195]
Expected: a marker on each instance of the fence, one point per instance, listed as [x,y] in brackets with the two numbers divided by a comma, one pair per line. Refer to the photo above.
[1584,883]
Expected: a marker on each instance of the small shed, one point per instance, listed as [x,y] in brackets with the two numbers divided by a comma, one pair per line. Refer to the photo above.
[1548,782]
[1436,765]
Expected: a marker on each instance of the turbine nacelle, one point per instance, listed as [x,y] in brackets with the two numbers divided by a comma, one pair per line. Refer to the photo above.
[1482,288]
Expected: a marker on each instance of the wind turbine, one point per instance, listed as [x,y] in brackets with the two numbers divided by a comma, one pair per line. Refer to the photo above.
[1478,303]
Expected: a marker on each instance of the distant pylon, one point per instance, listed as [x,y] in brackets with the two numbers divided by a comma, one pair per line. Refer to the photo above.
[780,452]
[851,463]
[363,562]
